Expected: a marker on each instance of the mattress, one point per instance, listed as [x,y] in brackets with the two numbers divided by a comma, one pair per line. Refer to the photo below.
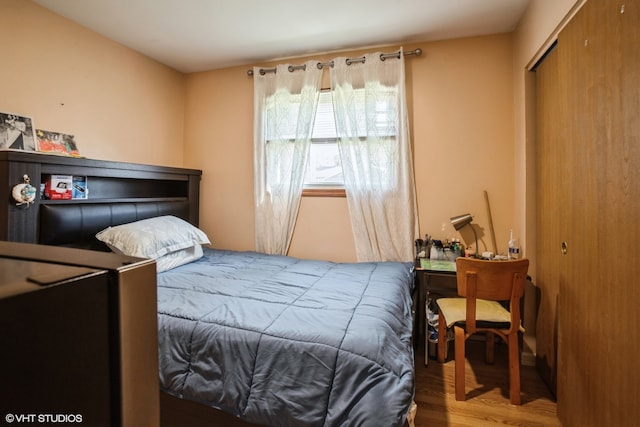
[281,341]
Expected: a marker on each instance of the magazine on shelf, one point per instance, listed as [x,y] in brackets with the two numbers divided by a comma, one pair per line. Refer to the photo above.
[56,143]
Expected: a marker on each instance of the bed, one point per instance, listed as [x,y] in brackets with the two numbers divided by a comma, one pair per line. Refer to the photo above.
[244,338]
[285,341]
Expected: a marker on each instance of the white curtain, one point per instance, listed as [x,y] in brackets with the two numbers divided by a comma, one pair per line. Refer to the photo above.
[373,138]
[284,108]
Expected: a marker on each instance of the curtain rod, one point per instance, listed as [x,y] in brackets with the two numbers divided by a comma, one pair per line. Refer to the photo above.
[349,61]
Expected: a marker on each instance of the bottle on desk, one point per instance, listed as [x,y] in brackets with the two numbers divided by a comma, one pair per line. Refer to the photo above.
[514,247]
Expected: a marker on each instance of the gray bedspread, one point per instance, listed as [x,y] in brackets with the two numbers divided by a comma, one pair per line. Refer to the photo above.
[282,341]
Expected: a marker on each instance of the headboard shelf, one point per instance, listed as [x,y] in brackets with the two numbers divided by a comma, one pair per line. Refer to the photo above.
[112,201]
[117,192]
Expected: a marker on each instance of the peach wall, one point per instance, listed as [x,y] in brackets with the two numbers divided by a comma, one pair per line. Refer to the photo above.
[119,104]
[460,95]
[218,135]
[462,129]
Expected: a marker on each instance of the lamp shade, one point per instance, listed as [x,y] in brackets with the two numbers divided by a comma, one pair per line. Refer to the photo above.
[460,221]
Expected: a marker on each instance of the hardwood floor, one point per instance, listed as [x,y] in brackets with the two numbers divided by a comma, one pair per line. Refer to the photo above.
[487,393]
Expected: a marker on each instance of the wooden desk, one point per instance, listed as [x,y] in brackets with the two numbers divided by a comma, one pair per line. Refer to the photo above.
[426,271]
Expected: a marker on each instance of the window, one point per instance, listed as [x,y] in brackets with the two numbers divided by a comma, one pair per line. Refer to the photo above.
[324,167]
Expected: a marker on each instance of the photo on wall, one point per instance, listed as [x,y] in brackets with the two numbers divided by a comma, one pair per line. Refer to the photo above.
[16,132]
[56,143]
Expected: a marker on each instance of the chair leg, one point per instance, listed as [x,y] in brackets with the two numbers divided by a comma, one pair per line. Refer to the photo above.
[459,360]
[442,338]
[514,369]
[489,348]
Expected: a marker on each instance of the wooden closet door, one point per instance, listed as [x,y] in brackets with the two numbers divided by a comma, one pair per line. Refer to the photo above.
[598,338]
[597,120]
[551,185]
[578,310]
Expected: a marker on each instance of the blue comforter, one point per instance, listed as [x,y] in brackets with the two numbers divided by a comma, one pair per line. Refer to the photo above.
[282,341]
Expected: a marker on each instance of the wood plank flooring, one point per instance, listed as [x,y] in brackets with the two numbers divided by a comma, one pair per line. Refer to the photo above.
[487,393]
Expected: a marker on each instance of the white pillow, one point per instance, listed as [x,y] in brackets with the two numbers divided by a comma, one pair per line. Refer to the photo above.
[153,237]
[178,258]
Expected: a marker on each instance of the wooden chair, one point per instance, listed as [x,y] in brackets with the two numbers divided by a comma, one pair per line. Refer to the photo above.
[484,284]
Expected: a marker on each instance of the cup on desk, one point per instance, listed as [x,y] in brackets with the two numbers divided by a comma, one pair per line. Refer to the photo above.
[451,254]
[423,251]
[436,252]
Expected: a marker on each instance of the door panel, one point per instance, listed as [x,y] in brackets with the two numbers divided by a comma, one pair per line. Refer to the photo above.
[550,160]
[588,124]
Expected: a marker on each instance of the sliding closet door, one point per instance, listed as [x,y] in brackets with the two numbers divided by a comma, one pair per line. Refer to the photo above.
[598,343]
[590,184]
[551,185]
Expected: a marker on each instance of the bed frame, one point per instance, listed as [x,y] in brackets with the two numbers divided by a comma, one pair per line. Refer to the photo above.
[118,193]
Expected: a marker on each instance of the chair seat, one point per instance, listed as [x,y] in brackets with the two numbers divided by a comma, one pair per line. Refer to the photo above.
[489,314]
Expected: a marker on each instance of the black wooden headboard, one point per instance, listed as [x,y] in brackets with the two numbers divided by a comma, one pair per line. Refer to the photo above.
[117,193]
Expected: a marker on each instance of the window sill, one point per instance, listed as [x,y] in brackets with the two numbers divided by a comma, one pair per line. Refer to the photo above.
[324,192]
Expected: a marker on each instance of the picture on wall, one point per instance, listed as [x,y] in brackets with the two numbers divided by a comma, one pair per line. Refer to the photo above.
[16,132]
[56,143]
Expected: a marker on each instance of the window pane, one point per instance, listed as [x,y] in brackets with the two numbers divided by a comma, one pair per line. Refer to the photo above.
[324,166]
[324,126]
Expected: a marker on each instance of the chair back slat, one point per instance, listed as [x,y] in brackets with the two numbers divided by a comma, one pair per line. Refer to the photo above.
[495,280]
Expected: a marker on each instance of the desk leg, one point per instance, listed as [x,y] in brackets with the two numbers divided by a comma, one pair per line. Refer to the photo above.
[425,322]
[424,283]
[427,291]
[420,309]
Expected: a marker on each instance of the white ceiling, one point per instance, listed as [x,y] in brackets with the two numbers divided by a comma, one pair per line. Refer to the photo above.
[199,35]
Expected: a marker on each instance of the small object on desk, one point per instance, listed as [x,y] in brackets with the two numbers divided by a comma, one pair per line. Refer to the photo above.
[514,247]
[456,248]
[433,253]
[421,249]
[437,250]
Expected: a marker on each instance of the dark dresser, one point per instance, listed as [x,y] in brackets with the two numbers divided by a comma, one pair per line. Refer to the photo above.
[78,337]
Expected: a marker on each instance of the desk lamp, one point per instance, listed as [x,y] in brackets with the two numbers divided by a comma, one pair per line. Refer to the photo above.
[460,221]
